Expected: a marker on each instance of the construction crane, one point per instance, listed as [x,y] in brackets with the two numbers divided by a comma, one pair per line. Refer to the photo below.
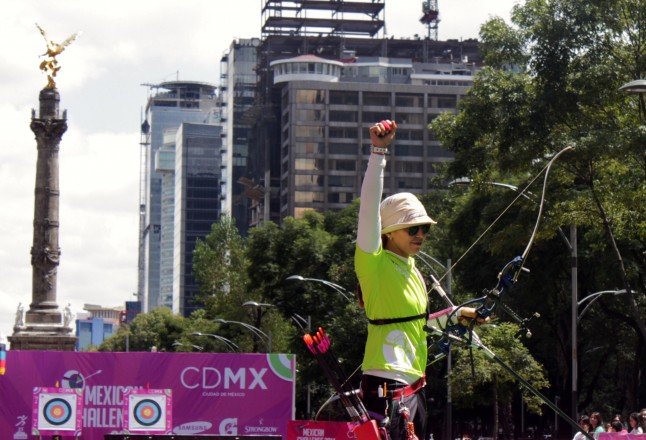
[431,17]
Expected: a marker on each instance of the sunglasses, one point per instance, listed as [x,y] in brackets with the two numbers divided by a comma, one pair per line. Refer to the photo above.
[413,230]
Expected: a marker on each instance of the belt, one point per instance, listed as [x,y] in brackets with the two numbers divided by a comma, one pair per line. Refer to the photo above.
[408,390]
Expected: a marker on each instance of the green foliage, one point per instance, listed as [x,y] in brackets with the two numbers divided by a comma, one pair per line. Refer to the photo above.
[569,59]
[159,328]
[220,267]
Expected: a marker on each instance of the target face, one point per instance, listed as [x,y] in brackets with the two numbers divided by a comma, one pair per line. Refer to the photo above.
[56,411]
[147,411]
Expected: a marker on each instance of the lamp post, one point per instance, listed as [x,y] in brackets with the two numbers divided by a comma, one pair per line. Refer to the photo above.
[259,313]
[264,337]
[340,289]
[232,346]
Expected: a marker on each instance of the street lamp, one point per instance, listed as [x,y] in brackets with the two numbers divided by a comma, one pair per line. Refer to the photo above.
[258,308]
[232,346]
[181,344]
[593,297]
[638,87]
[264,337]
[340,289]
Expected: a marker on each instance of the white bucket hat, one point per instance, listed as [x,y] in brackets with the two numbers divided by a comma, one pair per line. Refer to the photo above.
[402,210]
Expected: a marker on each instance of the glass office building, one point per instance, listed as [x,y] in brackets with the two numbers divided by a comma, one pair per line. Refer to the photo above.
[236,96]
[169,105]
[197,205]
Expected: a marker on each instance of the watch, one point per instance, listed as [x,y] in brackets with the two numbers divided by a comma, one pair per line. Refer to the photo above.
[378,150]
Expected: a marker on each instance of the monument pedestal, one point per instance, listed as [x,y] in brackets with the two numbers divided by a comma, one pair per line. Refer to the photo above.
[43,337]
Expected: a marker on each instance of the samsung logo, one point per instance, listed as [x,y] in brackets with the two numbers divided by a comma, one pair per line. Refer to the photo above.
[192,428]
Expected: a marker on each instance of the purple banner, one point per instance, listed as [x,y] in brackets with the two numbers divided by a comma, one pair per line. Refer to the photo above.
[220,393]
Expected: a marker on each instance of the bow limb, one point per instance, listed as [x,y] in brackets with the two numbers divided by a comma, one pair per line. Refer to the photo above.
[532,238]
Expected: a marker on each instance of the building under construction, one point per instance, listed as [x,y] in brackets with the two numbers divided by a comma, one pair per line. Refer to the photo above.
[325,73]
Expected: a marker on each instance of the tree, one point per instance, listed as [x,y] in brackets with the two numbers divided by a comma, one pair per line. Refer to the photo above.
[159,328]
[220,267]
[578,53]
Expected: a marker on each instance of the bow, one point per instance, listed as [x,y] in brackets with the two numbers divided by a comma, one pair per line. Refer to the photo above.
[456,324]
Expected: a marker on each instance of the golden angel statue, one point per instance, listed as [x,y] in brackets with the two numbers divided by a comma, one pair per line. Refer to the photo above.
[50,65]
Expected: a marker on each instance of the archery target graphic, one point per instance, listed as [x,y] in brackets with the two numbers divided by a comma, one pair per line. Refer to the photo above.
[148,411]
[56,410]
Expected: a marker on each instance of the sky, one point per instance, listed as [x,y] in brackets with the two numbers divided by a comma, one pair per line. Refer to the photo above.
[123,45]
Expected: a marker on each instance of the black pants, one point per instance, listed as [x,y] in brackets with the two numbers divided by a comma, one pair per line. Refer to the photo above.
[387,407]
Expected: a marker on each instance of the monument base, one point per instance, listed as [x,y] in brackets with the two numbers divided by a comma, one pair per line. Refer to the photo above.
[43,337]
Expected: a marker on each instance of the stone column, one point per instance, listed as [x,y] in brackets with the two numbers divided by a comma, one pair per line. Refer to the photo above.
[43,327]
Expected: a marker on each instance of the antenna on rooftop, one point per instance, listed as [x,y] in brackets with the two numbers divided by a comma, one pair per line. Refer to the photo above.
[430,17]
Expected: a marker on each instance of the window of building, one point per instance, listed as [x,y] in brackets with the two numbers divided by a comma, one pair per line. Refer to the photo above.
[412,135]
[303,115]
[344,97]
[372,117]
[309,164]
[308,180]
[400,71]
[447,101]
[405,100]
[409,118]
[409,183]
[343,116]
[374,98]
[309,148]
[343,132]
[342,165]
[337,148]
[310,96]
[402,149]
[308,131]
[308,197]
[342,181]
[409,167]
[340,197]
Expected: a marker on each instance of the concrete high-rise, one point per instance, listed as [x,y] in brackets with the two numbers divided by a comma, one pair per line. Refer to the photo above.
[169,105]
[324,75]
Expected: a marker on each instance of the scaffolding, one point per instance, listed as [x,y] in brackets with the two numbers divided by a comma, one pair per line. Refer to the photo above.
[322,17]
